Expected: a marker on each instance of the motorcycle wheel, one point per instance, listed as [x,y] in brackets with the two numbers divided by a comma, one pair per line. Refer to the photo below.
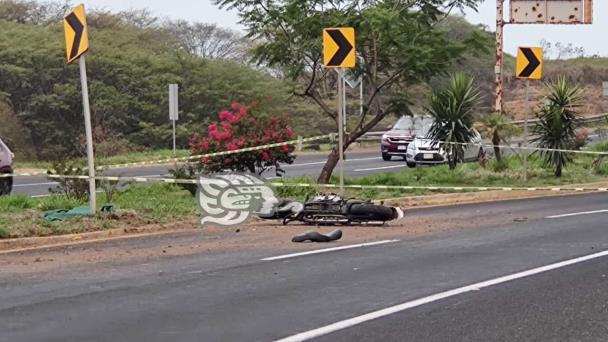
[372,212]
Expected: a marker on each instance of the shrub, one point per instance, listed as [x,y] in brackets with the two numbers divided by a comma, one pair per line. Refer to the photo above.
[69,187]
[581,139]
[557,122]
[237,128]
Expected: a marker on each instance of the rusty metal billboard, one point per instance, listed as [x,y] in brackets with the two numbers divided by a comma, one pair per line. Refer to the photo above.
[551,11]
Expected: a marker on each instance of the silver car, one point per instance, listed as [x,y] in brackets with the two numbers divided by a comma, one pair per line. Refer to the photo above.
[422,151]
[6,167]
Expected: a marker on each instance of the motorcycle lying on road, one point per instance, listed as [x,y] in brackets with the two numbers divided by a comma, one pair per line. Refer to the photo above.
[332,209]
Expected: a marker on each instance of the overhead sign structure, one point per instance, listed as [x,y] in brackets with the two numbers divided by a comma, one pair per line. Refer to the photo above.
[339,47]
[551,11]
[529,63]
[76,33]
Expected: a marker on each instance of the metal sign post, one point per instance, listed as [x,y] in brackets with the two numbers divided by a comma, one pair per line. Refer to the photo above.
[341,130]
[361,97]
[89,133]
[173,109]
[77,44]
[526,131]
[344,104]
[528,66]
[339,53]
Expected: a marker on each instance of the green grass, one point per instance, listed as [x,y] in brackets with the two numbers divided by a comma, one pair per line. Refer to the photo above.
[508,173]
[162,202]
[21,216]
[16,203]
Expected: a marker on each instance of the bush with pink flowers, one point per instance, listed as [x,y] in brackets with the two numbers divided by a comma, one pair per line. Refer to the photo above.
[239,127]
[581,139]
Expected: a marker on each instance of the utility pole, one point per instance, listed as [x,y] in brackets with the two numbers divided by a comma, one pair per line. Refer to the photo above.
[498,105]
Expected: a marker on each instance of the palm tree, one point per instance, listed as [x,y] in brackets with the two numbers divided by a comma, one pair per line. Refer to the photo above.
[452,108]
[557,123]
[497,127]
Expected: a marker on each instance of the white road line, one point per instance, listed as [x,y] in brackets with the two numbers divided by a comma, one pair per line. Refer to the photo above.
[380,168]
[579,214]
[317,251]
[49,195]
[328,329]
[323,162]
[34,184]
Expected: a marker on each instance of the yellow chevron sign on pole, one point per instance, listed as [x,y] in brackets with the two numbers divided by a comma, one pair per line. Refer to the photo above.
[76,33]
[529,63]
[339,47]
[77,44]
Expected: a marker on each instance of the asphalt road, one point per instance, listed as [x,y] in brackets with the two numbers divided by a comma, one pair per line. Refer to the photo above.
[236,296]
[357,164]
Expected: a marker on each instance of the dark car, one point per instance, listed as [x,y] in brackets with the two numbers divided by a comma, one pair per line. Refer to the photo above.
[6,167]
[394,142]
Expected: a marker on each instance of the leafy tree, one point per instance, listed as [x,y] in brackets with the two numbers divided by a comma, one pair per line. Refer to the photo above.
[452,109]
[129,68]
[241,127]
[209,40]
[398,44]
[34,12]
[556,128]
[497,127]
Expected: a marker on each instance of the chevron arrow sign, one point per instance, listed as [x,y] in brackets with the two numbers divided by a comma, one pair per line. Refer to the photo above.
[339,47]
[76,34]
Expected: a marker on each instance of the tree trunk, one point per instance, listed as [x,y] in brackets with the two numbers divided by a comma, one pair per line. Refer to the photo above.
[452,163]
[328,168]
[558,170]
[496,142]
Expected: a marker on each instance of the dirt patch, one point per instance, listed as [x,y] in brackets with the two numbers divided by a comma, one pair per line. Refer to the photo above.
[474,197]
[184,238]
[255,236]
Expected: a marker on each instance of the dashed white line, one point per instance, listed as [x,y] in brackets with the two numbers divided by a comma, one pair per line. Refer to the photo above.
[381,168]
[317,251]
[323,162]
[328,329]
[34,184]
[579,213]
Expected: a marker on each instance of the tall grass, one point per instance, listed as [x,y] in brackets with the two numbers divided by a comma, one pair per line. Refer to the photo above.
[16,203]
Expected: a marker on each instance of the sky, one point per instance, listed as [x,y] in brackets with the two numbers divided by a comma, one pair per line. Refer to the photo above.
[586,36]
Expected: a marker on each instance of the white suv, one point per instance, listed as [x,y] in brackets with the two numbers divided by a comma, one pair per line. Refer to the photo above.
[422,151]
[6,167]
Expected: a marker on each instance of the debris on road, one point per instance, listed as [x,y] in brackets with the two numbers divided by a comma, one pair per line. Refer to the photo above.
[313,236]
